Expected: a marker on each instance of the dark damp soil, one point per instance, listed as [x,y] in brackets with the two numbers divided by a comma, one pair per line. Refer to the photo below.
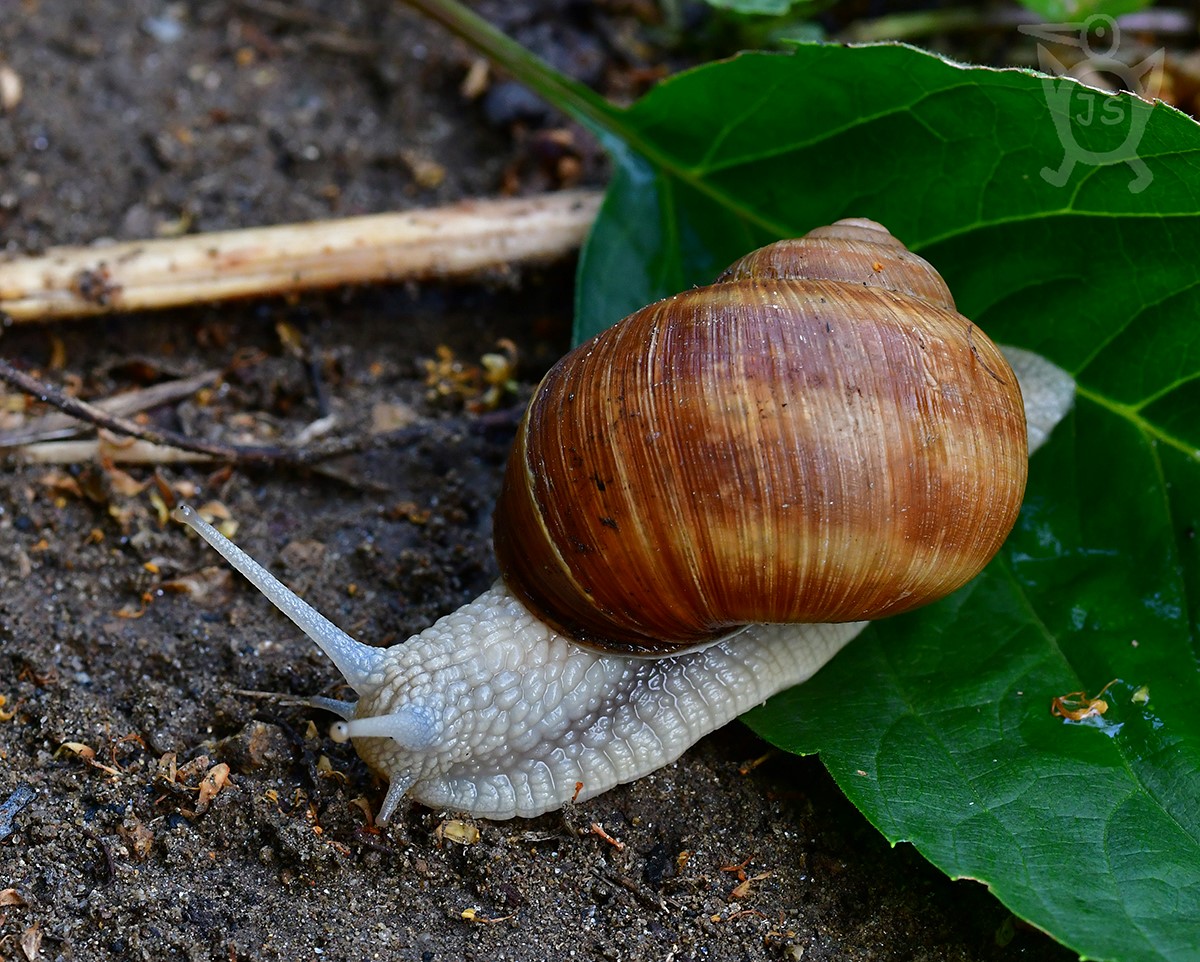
[127,657]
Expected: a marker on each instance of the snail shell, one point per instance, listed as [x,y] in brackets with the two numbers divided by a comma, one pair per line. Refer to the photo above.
[816,437]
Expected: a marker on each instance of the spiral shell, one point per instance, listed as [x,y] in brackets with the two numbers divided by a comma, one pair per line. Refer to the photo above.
[816,437]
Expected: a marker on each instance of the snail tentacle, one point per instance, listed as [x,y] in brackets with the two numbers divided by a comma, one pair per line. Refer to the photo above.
[356,662]
[343,709]
[412,728]
[398,787]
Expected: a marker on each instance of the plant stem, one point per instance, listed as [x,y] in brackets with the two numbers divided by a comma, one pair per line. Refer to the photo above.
[565,93]
[612,125]
[922,23]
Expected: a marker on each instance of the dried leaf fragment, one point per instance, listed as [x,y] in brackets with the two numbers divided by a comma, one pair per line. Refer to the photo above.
[457,830]
[598,830]
[138,837]
[475,84]
[325,769]
[215,779]
[212,582]
[426,171]
[122,482]
[11,88]
[31,942]
[387,416]
[474,915]
[364,806]
[88,754]
[409,511]
[219,516]
[742,889]
[61,483]
[1076,706]
[191,769]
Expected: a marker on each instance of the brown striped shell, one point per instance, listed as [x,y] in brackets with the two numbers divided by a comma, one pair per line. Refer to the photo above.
[818,436]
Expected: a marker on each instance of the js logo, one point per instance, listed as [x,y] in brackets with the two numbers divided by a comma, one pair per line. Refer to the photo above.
[1077,107]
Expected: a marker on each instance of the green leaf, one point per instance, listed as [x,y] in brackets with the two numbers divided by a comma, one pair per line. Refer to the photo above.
[1066,221]
[735,154]
[938,724]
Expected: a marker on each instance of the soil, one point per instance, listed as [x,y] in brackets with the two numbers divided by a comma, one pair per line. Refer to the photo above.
[128,659]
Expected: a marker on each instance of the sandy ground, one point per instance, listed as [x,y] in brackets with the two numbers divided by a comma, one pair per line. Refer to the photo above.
[142,117]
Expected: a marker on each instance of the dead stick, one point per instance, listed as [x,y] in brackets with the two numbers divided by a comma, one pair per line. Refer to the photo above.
[98,449]
[52,427]
[463,239]
[236,453]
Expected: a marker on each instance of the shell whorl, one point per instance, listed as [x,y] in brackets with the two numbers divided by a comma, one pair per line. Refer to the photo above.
[854,251]
[816,437]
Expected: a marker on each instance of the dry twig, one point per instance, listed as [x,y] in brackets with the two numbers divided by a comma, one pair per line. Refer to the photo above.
[155,446]
[115,424]
[52,427]
[463,239]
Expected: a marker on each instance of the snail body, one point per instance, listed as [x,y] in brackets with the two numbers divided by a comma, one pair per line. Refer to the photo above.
[704,504]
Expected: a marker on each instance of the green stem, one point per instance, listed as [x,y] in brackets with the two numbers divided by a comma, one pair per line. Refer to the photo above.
[565,93]
[921,23]
[608,122]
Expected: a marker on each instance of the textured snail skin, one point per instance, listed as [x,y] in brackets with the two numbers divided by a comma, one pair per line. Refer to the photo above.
[536,720]
[490,711]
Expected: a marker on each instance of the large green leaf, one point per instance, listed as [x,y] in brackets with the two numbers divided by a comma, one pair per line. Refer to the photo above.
[1058,231]
[938,724]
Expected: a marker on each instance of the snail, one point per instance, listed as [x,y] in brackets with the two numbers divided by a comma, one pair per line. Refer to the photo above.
[703,505]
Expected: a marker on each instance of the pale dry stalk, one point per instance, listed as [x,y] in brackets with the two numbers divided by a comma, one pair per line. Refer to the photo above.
[464,239]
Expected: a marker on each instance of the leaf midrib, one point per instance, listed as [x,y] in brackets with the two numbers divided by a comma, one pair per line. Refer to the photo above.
[1146,427]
